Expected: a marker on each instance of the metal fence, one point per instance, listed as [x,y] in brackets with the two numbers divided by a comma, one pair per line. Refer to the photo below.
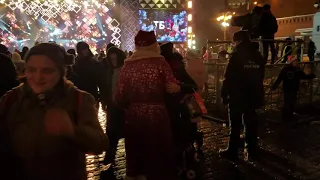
[309,89]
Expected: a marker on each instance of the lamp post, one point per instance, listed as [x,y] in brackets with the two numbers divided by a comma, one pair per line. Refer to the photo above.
[317,4]
[224,19]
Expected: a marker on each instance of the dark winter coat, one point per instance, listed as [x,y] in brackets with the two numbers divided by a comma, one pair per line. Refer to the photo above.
[268,25]
[38,155]
[87,75]
[243,83]
[178,110]
[291,76]
[107,72]
[312,48]
[8,74]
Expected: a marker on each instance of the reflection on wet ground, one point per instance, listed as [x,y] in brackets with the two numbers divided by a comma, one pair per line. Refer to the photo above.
[289,153]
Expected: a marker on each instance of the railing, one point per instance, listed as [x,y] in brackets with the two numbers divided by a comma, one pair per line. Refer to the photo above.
[296,44]
[309,89]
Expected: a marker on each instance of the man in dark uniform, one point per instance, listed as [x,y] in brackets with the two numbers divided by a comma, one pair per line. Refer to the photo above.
[243,91]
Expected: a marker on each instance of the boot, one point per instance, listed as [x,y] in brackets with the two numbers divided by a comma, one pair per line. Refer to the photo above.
[228,154]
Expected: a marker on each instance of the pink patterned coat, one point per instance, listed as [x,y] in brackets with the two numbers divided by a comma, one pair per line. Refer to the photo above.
[148,137]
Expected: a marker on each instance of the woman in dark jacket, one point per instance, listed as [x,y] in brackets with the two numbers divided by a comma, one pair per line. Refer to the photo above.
[111,66]
[183,129]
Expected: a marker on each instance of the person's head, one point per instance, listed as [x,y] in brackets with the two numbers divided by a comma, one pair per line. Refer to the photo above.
[115,57]
[72,51]
[257,10]
[25,49]
[267,7]
[46,66]
[288,41]
[109,46]
[167,50]
[4,50]
[146,42]
[241,36]
[83,50]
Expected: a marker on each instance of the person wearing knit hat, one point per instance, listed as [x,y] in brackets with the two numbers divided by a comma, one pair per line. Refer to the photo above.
[60,123]
[290,76]
[144,81]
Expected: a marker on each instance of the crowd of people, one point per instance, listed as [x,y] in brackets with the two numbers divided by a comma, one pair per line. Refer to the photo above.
[49,106]
[50,96]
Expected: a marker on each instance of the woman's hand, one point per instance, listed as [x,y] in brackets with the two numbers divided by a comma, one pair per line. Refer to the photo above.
[173,88]
[57,122]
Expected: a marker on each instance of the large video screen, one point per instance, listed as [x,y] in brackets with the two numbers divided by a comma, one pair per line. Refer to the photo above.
[24,22]
[169,26]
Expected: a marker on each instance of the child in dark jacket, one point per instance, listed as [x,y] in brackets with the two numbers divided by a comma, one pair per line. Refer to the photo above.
[291,76]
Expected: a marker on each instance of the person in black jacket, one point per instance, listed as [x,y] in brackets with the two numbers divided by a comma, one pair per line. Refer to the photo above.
[87,70]
[243,91]
[184,132]
[311,50]
[268,27]
[8,74]
[290,76]
[111,66]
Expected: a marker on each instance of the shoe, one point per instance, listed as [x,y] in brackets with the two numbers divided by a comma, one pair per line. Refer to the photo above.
[226,153]
[252,155]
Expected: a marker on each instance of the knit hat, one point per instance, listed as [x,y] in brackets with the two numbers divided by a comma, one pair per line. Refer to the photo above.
[144,38]
[53,51]
[242,35]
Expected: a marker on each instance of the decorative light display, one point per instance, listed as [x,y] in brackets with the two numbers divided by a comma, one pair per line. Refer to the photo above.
[191,36]
[22,22]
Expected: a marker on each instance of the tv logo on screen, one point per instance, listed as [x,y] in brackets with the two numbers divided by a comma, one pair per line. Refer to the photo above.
[159,24]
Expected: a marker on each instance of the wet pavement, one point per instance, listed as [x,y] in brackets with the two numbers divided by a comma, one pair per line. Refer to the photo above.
[290,152]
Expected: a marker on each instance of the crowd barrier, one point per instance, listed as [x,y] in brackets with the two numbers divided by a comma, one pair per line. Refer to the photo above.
[309,89]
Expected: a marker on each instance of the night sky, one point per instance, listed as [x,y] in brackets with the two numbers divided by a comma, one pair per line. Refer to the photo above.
[205,23]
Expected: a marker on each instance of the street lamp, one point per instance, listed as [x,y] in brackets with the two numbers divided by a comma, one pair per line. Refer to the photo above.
[225,22]
[317,4]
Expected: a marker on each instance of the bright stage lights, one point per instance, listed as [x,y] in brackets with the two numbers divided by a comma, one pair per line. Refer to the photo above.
[66,21]
[50,9]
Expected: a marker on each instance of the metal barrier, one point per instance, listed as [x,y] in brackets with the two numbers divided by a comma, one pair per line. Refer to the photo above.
[309,89]
[299,44]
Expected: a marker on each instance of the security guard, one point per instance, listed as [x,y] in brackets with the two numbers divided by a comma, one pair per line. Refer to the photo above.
[243,91]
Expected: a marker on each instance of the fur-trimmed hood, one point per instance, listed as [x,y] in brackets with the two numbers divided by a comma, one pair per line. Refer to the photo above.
[151,51]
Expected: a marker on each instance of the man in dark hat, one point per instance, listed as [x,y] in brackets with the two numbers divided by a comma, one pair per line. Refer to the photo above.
[243,92]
